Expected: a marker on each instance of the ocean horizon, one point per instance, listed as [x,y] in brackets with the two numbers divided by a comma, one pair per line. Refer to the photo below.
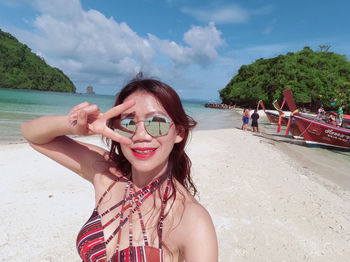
[20,105]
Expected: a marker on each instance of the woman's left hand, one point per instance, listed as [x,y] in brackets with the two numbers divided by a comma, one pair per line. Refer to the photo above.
[99,126]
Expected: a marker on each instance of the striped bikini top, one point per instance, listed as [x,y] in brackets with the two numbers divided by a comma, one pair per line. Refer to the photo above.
[91,243]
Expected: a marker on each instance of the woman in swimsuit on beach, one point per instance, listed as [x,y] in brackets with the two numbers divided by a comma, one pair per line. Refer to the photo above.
[145,206]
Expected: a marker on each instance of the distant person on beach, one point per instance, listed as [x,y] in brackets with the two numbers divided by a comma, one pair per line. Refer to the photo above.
[245,119]
[340,115]
[332,120]
[145,206]
[255,116]
[320,113]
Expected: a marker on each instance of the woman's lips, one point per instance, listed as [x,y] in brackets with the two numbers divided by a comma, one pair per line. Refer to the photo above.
[144,152]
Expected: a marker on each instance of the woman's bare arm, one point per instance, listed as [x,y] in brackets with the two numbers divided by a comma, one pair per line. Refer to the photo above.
[48,136]
[197,237]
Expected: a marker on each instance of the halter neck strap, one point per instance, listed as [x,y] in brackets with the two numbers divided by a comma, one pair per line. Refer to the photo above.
[132,201]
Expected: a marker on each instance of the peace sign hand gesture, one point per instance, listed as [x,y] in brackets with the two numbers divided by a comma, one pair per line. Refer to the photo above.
[86,119]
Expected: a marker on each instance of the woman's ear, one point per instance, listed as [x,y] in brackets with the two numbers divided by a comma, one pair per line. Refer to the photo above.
[180,134]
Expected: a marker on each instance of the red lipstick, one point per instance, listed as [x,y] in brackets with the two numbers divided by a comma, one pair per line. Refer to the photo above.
[143,152]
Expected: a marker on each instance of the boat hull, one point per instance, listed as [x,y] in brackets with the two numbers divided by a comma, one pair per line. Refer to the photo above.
[322,134]
[346,121]
[293,129]
[274,118]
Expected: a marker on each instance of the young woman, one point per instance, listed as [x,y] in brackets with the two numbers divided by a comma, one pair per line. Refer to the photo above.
[145,207]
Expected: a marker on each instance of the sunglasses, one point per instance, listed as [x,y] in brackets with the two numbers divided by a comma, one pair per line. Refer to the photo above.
[155,126]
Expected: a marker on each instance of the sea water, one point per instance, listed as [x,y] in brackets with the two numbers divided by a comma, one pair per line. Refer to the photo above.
[18,106]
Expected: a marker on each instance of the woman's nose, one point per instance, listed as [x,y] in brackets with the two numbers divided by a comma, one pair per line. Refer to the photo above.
[141,133]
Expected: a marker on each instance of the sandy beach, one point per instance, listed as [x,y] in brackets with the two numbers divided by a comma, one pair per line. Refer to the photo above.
[266,204]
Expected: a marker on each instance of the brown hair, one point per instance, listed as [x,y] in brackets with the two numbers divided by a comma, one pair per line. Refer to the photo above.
[179,163]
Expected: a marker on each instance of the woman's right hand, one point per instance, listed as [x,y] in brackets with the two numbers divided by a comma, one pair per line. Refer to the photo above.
[87,119]
[79,117]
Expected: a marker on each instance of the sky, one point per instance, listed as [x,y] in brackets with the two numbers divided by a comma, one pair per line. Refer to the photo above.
[195,46]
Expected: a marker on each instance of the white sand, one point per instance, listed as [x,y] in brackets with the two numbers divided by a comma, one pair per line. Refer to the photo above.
[265,206]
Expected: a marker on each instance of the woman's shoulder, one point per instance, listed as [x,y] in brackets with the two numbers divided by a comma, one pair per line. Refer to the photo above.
[192,209]
[195,230]
[110,174]
[195,214]
[110,180]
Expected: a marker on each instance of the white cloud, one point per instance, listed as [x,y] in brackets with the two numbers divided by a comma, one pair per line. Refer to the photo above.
[202,43]
[93,49]
[227,14]
[90,37]
[70,9]
[220,15]
[85,43]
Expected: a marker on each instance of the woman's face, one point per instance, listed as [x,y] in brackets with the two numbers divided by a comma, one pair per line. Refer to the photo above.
[147,153]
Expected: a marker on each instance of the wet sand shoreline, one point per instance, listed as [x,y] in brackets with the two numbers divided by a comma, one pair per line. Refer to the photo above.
[330,164]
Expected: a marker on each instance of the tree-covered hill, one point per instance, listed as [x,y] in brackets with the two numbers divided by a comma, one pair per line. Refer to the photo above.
[20,68]
[314,77]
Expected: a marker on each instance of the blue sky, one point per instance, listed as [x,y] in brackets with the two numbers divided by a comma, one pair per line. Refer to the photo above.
[196,46]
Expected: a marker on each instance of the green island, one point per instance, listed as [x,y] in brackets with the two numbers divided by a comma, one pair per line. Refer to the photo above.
[315,78]
[20,68]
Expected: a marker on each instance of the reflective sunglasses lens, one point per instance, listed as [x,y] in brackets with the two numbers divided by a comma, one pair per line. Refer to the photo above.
[126,127]
[157,125]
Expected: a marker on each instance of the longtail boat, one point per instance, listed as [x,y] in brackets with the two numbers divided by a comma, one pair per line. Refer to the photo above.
[317,132]
[346,121]
[346,118]
[274,116]
[280,118]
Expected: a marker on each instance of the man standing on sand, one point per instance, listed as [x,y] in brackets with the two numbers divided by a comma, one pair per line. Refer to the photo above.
[255,116]
[340,115]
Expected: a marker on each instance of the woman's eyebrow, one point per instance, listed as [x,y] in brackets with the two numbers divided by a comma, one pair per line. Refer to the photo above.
[155,113]
[149,114]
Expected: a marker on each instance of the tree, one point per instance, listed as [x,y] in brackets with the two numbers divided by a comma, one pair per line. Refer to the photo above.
[324,48]
[314,77]
[20,68]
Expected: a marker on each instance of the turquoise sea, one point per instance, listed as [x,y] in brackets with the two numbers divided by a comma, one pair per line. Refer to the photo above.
[18,106]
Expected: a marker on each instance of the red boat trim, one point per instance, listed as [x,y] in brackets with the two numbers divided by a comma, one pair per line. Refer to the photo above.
[324,124]
[316,132]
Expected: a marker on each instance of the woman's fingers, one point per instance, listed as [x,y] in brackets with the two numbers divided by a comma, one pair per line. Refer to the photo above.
[106,131]
[91,109]
[82,120]
[117,110]
[78,107]
[109,133]
[74,112]
[88,120]
[87,107]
